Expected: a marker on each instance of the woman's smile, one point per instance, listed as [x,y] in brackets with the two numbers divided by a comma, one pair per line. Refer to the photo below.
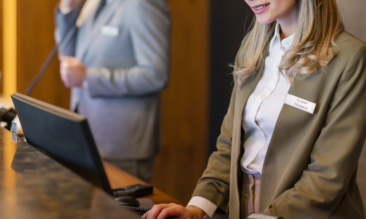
[259,9]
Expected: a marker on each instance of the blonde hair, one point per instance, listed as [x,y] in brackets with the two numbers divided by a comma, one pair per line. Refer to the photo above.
[319,24]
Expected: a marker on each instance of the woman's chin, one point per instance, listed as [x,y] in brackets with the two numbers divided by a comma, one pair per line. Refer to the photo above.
[264,20]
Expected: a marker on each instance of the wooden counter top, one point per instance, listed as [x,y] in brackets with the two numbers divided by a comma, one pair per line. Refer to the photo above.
[32,185]
[119,178]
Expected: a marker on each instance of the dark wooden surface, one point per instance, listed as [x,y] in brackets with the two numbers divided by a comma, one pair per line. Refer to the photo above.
[119,178]
[32,185]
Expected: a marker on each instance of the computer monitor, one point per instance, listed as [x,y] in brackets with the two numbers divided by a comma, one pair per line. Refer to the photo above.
[63,135]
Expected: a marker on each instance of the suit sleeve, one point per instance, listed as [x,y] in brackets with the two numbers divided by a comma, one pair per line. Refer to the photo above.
[149,27]
[65,33]
[335,154]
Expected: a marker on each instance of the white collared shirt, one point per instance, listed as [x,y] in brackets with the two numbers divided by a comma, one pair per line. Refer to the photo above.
[264,106]
[260,114]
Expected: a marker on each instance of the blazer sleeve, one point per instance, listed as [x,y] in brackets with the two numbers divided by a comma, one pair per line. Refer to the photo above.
[335,154]
[149,27]
[215,181]
[66,31]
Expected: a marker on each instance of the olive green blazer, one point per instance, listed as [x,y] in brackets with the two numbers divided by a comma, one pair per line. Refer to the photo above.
[311,163]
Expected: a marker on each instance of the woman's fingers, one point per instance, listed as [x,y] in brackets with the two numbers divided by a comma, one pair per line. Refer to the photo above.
[156,210]
[177,211]
[165,211]
[145,215]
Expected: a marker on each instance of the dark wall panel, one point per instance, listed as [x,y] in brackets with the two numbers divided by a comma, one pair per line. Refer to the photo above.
[230,20]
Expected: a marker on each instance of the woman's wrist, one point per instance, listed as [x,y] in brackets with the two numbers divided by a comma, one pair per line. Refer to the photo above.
[196,212]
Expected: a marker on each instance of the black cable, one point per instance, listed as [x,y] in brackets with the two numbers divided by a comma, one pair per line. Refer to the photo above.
[41,72]
[50,57]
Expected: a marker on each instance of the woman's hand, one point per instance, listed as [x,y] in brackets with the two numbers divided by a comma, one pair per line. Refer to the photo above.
[174,211]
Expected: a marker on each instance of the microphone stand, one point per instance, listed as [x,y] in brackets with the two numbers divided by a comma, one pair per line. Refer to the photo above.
[8,115]
[50,57]
[41,72]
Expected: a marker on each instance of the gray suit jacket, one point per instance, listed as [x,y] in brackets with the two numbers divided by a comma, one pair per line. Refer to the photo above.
[127,68]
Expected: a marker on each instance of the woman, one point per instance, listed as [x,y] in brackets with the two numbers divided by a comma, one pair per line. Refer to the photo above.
[296,124]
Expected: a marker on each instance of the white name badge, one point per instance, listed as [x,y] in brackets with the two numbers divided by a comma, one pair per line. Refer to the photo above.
[300,103]
[110,31]
[14,131]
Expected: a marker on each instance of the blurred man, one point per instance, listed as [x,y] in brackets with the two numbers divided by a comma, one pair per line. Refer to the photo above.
[115,57]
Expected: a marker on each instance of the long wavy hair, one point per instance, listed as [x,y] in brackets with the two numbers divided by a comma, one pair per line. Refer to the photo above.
[319,25]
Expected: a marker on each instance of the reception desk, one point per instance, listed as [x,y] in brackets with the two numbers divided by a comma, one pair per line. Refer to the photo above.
[32,185]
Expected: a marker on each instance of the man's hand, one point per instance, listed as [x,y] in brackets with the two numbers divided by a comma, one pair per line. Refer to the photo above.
[174,211]
[73,71]
[69,5]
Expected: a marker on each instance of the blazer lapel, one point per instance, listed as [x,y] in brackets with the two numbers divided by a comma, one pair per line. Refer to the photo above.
[102,19]
[242,97]
[289,133]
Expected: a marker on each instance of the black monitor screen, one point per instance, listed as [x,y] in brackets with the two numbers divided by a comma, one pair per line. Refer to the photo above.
[63,135]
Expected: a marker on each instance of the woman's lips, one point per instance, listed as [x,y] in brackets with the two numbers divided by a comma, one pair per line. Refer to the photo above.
[259,9]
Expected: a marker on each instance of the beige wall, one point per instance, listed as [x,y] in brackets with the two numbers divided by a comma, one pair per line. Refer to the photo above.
[353,13]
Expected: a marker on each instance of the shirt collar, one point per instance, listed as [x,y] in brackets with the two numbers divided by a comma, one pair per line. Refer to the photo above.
[285,43]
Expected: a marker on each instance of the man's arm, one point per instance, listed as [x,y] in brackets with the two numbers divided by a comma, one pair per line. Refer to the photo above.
[150,30]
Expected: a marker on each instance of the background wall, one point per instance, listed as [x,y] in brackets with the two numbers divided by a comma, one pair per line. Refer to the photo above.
[1,46]
[354,17]
[35,28]
[184,104]
[206,36]
[229,22]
